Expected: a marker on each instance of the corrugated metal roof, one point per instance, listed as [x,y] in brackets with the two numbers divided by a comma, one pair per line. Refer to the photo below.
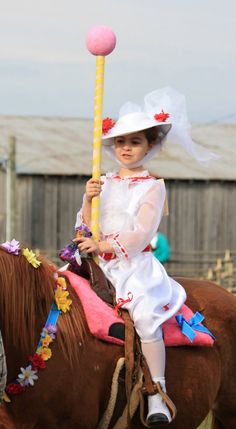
[63,146]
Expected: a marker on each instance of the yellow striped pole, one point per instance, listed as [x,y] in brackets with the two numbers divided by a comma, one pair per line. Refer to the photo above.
[100,41]
[97,140]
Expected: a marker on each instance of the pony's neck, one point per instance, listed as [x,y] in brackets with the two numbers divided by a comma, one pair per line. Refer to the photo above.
[26,295]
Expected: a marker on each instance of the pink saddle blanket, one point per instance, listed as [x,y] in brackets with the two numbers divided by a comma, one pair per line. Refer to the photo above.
[101,317]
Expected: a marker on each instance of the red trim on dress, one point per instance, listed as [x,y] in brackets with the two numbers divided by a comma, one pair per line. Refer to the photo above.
[148,248]
[110,256]
[134,179]
[122,301]
[166,307]
[122,249]
[107,256]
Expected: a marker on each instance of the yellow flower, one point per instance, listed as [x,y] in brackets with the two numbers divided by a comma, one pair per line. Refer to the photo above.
[63,303]
[6,397]
[46,341]
[61,282]
[31,257]
[44,352]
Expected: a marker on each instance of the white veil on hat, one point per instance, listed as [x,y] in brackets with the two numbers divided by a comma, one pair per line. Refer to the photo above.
[176,126]
[175,104]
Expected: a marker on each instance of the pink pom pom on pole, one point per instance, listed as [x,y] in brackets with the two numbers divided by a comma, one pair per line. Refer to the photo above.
[100,40]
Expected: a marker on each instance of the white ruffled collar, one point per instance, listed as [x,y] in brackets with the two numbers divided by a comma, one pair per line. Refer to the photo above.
[140,175]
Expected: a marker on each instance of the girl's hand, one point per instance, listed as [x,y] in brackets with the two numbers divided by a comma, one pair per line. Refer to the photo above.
[87,244]
[93,188]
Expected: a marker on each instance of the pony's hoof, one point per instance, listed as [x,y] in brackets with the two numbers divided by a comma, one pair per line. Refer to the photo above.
[157,419]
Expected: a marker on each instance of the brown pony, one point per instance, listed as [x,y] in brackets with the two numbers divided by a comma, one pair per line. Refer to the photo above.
[73,391]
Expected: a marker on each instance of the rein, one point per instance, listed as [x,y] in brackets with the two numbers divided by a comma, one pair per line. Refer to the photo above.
[37,361]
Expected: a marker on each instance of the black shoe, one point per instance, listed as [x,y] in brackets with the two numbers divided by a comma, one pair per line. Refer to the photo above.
[156,419]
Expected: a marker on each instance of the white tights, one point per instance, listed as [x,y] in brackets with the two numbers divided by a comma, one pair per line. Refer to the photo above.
[155,354]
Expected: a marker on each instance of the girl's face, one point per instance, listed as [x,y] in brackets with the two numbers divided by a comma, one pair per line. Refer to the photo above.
[131,148]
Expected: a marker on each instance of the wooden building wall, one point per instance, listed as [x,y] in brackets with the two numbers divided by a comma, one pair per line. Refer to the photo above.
[202,213]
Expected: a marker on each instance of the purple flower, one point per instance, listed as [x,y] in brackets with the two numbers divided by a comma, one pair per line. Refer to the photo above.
[85,229]
[52,329]
[44,333]
[12,246]
[67,253]
[49,330]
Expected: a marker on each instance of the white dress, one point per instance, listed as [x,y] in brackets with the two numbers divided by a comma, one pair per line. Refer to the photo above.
[131,211]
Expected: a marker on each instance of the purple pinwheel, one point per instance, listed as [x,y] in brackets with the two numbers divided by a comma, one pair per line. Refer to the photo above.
[70,253]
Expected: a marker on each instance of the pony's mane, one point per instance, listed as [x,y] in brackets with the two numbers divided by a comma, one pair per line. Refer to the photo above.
[26,295]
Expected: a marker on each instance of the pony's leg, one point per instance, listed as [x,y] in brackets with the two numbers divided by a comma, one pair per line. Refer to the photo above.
[225,411]
[229,422]
[225,418]
[216,424]
[5,420]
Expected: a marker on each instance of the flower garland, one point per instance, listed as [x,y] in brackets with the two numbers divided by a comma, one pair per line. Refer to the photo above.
[61,295]
[13,247]
[28,375]
[31,257]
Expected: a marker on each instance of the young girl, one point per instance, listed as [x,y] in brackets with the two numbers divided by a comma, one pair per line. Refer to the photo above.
[132,205]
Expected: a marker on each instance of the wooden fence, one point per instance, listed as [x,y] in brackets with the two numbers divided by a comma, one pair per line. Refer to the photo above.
[215,266]
[201,221]
[202,215]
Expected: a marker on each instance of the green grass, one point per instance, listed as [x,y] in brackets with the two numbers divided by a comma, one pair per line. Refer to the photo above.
[207,423]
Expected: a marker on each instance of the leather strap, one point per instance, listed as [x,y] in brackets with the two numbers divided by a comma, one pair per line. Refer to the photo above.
[129,359]
[167,400]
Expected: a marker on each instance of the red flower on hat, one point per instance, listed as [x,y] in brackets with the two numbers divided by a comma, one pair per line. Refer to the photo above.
[107,124]
[161,117]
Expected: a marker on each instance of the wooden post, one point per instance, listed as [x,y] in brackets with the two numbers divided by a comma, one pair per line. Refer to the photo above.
[11,190]
[229,270]
[218,271]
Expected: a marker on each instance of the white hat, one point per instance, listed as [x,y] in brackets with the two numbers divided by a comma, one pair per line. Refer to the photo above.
[132,119]
[134,122]
[164,108]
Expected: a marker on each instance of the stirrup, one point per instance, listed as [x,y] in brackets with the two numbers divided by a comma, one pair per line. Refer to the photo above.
[171,406]
[167,400]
